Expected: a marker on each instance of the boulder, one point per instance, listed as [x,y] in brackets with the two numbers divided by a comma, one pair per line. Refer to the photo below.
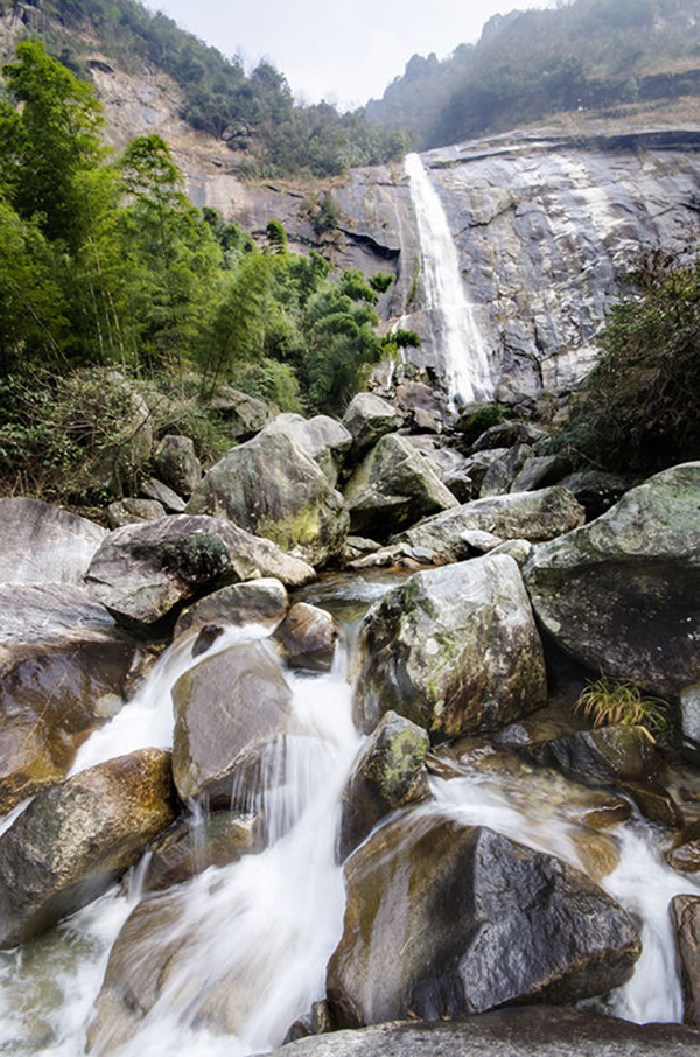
[392,488]
[40,543]
[540,471]
[308,636]
[501,474]
[445,920]
[142,572]
[176,464]
[454,650]
[264,601]
[533,516]
[230,710]
[63,666]
[75,840]
[686,916]
[684,855]
[478,465]
[368,418]
[507,434]
[323,438]
[244,415]
[163,494]
[389,773]
[544,1031]
[272,488]
[133,512]
[187,849]
[608,754]
[622,594]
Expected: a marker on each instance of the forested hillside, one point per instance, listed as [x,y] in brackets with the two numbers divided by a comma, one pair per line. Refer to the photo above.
[528,65]
[253,113]
[106,266]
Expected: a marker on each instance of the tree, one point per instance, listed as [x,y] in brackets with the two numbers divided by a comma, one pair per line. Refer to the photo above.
[49,143]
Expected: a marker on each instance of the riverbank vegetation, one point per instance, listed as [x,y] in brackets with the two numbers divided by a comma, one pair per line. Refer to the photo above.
[111,282]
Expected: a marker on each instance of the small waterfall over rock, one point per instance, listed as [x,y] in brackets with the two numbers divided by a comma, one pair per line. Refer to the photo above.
[464,352]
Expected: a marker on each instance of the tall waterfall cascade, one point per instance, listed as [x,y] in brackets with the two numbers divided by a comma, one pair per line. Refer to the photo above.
[464,351]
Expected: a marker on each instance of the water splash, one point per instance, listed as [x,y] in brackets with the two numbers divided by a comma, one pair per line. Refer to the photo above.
[467,370]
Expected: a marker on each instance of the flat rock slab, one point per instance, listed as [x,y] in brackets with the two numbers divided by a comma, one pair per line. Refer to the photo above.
[40,543]
[550,1032]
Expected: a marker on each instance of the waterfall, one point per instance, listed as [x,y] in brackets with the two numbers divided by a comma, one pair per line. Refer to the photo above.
[461,343]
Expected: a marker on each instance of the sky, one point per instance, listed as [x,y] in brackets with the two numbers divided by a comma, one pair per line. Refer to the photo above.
[345,53]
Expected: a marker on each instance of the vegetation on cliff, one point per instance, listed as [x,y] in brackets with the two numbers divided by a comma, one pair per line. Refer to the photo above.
[638,411]
[254,113]
[105,263]
[530,64]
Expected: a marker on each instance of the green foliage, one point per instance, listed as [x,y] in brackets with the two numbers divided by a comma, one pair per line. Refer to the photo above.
[639,410]
[381,281]
[610,702]
[474,423]
[399,339]
[253,114]
[49,142]
[327,218]
[276,236]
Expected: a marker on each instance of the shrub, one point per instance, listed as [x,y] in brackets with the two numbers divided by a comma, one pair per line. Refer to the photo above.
[607,702]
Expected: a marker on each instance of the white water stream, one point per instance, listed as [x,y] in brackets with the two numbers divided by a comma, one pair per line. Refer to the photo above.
[459,339]
[270,922]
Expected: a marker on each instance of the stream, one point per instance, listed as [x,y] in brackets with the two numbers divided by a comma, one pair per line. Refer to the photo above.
[271,921]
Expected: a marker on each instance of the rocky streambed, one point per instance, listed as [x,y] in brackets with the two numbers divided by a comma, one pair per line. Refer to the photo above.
[246,803]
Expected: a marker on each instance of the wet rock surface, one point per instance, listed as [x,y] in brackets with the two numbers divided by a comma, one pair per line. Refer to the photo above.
[230,709]
[454,649]
[609,754]
[622,594]
[73,841]
[264,601]
[61,656]
[307,636]
[186,849]
[546,1032]
[462,920]
[686,916]
[389,774]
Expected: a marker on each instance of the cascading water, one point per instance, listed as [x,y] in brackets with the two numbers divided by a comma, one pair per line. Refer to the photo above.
[262,930]
[466,358]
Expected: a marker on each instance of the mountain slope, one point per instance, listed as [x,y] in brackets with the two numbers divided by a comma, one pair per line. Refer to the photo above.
[624,56]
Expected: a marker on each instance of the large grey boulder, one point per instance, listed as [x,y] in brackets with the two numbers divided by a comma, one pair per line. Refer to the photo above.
[445,920]
[272,488]
[40,543]
[243,414]
[686,916]
[533,516]
[162,493]
[368,418]
[75,840]
[264,601]
[132,511]
[500,476]
[394,487]
[530,1032]
[230,710]
[389,773]
[321,437]
[63,665]
[622,594]
[176,464]
[142,572]
[453,649]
